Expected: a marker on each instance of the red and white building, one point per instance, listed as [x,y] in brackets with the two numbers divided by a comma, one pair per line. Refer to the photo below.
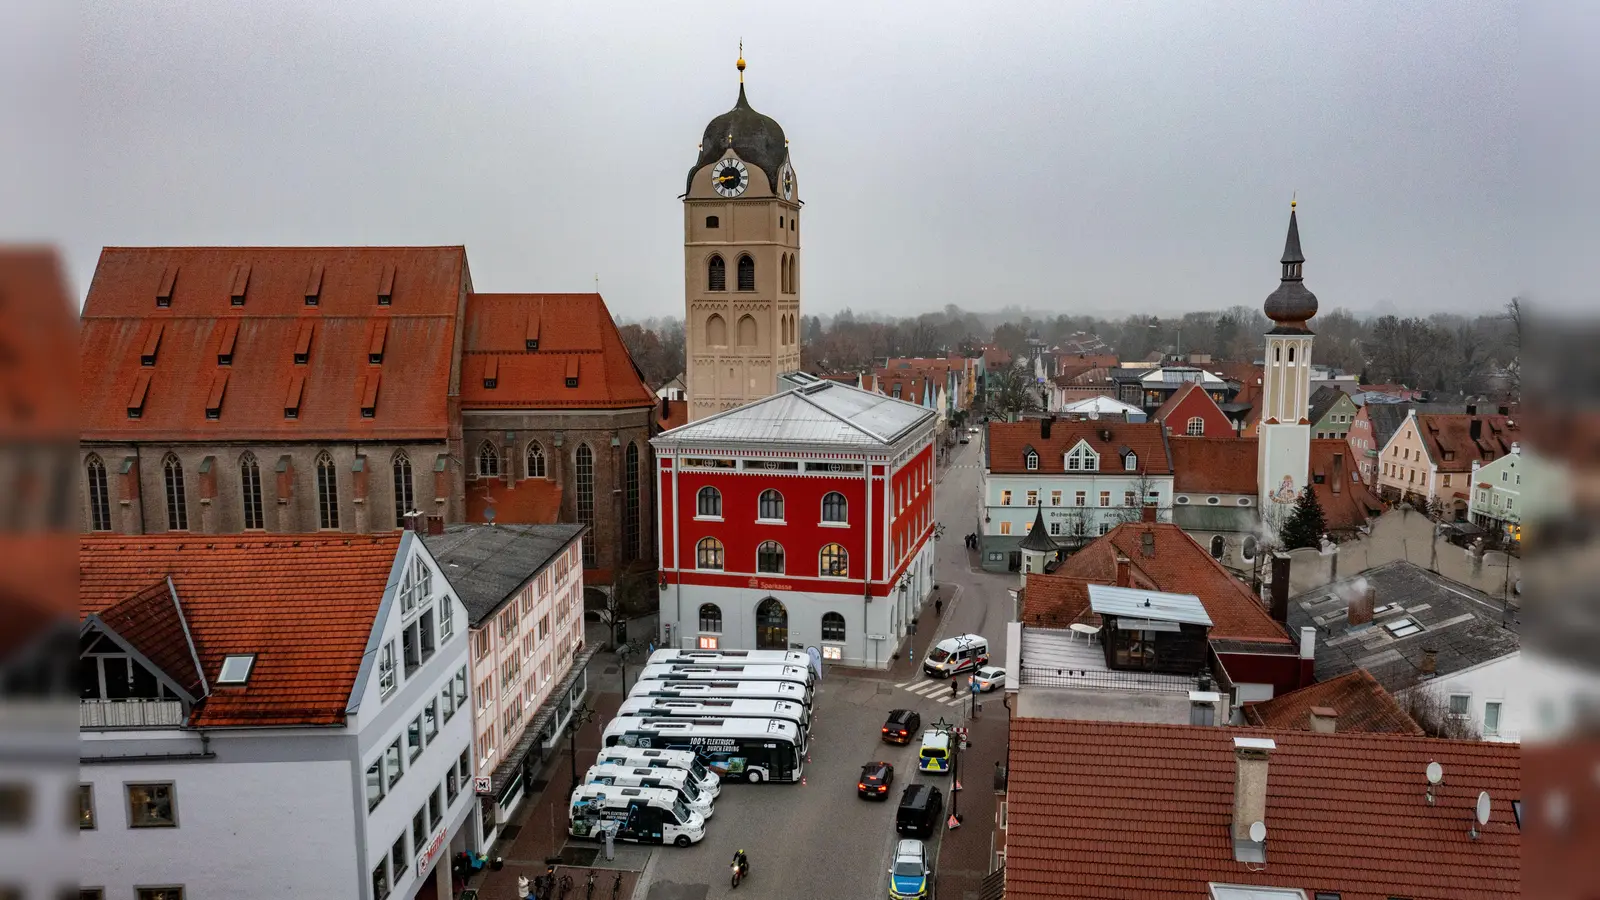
[800,520]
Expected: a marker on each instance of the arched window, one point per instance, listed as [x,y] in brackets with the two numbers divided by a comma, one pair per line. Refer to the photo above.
[250,492]
[711,222]
[769,558]
[834,508]
[834,562]
[488,460]
[1218,547]
[1277,354]
[710,617]
[177,497]
[770,506]
[708,502]
[708,554]
[1248,548]
[536,467]
[99,494]
[583,468]
[716,274]
[1291,353]
[783,274]
[1032,460]
[327,491]
[404,489]
[832,627]
[747,331]
[772,625]
[794,273]
[1196,426]
[747,274]
[630,503]
[716,331]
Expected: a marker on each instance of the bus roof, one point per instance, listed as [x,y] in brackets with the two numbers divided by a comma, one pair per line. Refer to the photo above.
[668,654]
[728,671]
[712,687]
[706,727]
[591,790]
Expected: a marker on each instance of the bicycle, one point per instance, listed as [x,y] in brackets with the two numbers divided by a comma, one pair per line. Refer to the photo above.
[589,894]
[566,887]
[616,887]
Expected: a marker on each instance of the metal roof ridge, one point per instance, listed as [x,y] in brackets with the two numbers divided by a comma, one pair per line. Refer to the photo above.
[801,394]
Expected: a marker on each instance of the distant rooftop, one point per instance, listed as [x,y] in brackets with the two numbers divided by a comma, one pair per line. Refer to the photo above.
[1064,676]
[1140,603]
[488,564]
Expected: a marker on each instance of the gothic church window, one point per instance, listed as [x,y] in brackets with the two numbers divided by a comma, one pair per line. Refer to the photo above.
[327,491]
[177,497]
[747,274]
[99,495]
[716,275]
[747,331]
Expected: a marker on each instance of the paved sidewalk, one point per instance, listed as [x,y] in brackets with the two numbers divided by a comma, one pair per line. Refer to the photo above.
[966,854]
[925,637]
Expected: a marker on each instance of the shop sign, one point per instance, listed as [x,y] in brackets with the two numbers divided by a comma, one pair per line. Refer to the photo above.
[430,853]
[481,785]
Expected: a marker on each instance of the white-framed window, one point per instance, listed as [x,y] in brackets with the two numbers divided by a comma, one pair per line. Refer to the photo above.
[1195,427]
[1491,718]
[708,554]
[1080,498]
[833,562]
[1083,459]
[386,679]
[1033,498]
[1460,705]
[1005,527]
[1130,462]
[392,769]
[770,506]
[447,619]
[1105,498]
[708,503]
[1033,461]
[835,508]
[414,739]
[1055,528]
[1055,498]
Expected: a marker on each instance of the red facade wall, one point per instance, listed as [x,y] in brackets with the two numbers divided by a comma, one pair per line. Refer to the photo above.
[1197,403]
[1283,672]
[1361,439]
[913,481]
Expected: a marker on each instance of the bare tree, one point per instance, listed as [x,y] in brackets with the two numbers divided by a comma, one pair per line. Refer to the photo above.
[1427,705]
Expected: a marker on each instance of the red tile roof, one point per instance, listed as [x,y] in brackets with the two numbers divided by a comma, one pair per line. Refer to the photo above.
[1361,703]
[1057,601]
[1116,811]
[1178,565]
[1346,503]
[1205,465]
[575,336]
[39,378]
[123,327]
[530,501]
[1179,396]
[152,622]
[1442,433]
[1007,445]
[673,414]
[257,595]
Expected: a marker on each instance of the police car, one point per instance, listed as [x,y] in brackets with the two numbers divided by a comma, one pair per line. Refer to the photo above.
[908,877]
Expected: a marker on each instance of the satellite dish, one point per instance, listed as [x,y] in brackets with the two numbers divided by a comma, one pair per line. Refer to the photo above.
[1258,832]
[1485,806]
[1435,773]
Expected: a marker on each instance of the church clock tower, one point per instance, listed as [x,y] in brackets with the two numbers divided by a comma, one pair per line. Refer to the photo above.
[1284,434]
[741,262]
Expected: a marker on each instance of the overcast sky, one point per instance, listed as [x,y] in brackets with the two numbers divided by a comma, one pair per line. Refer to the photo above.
[1065,156]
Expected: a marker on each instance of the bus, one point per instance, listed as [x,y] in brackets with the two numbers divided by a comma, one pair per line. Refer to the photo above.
[752,750]
[729,672]
[728,690]
[661,707]
[682,760]
[642,815]
[711,657]
[644,776]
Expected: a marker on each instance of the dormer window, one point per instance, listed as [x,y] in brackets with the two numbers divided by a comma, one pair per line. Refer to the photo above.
[531,343]
[1130,462]
[1083,459]
[1033,461]
[236,668]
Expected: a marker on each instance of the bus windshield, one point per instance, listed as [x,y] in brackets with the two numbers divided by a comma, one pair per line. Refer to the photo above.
[938,655]
[696,769]
[690,790]
[681,811]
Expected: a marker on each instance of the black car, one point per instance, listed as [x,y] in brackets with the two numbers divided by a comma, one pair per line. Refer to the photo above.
[920,808]
[902,726]
[875,780]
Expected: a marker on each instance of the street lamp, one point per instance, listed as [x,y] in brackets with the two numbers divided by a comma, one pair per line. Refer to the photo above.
[580,717]
[624,650]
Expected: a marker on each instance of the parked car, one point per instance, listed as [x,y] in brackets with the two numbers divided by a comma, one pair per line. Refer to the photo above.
[920,811]
[901,725]
[875,780]
[989,678]
[965,439]
[908,877]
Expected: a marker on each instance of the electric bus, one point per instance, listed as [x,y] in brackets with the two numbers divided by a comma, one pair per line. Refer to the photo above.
[753,750]
[709,707]
[642,815]
[729,672]
[681,760]
[679,689]
[644,776]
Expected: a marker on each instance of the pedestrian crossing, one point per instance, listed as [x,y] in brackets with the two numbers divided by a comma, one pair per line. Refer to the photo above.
[934,690]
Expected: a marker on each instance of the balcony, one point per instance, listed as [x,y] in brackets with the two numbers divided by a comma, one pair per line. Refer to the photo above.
[130,713]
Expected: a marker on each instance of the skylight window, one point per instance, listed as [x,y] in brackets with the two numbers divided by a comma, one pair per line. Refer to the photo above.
[1386,608]
[1404,626]
[236,669]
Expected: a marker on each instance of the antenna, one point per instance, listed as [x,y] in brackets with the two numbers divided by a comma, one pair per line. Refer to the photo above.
[1435,776]
[1258,832]
[1485,806]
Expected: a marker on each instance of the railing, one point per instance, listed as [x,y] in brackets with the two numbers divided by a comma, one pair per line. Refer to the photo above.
[130,713]
[1106,679]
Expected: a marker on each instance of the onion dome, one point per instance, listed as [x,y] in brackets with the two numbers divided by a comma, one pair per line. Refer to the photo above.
[1291,305]
[757,139]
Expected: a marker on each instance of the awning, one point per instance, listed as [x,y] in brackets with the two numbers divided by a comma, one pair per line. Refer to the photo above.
[511,763]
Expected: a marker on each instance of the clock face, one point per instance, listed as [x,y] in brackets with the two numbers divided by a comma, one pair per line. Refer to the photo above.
[730,178]
[787,178]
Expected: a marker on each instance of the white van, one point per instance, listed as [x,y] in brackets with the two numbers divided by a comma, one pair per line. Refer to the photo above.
[645,776]
[643,815]
[708,781]
[955,655]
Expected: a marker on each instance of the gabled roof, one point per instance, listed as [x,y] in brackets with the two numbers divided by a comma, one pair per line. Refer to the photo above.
[1360,702]
[151,623]
[1452,448]
[1206,465]
[1115,811]
[1322,401]
[1174,563]
[305,604]
[1056,600]
[174,331]
[1007,442]
[576,338]
[825,414]
[1347,503]
[489,564]
[1179,396]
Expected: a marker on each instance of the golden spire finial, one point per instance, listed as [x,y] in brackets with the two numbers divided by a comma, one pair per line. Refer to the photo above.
[1293,198]
[741,61]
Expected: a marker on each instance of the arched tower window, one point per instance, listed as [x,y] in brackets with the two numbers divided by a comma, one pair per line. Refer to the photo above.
[794,273]
[583,469]
[1291,354]
[536,468]
[177,496]
[747,331]
[716,331]
[488,460]
[711,222]
[716,274]
[747,274]
[630,503]
[404,488]
[99,494]
[250,492]
[327,491]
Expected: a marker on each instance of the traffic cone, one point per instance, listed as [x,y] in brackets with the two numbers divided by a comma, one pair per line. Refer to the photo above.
[954,823]
[957,787]
[802,781]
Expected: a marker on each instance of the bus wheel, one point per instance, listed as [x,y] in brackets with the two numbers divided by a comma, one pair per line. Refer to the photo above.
[682,841]
[755,776]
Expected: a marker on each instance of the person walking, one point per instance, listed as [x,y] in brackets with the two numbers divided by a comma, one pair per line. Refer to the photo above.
[955,690]
[938,606]
[523,890]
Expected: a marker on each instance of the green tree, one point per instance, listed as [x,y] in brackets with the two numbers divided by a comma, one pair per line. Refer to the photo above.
[1306,524]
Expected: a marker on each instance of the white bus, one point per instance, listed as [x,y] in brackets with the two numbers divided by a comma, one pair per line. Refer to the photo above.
[729,690]
[728,672]
[643,815]
[752,750]
[681,760]
[644,776]
[711,657]
[717,707]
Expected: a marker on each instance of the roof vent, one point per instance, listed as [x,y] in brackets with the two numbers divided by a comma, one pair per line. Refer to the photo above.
[230,333]
[141,388]
[380,332]
[152,344]
[241,284]
[491,373]
[169,277]
[572,372]
[291,403]
[369,395]
[530,338]
[302,343]
[314,285]
[386,285]
[219,386]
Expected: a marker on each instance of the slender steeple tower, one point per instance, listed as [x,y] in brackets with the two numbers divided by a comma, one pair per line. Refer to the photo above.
[1284,433]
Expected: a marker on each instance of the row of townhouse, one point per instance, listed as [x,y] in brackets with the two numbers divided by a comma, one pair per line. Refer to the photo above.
[316,714]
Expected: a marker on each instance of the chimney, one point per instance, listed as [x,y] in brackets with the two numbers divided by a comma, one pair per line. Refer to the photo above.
[1148,514]
[1044,426]
[1123,566]
[1360,608]
[1308,642]
[666,409]
[1430,661]
[1475,430]
[436,524]
[1324,720]
[1516,449]
[1147,543]
[1472,409]
[1338,472]
[1280,588]
[1250,796]
[1503,410]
